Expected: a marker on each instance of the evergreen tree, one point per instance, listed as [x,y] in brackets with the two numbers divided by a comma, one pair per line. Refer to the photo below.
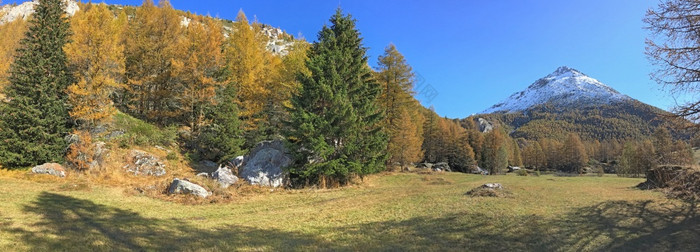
[221,139]
[335,122]
[35,121]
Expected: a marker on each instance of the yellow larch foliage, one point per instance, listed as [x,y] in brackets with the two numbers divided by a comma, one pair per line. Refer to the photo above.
[154,49]
[11,32]
[203,43]
[96,56]
[252,69]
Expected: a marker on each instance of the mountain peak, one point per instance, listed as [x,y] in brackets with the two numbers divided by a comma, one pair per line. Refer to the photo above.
[565,71]
[564,87]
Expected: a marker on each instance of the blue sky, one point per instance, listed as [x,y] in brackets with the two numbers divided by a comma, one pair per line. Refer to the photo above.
[476,53]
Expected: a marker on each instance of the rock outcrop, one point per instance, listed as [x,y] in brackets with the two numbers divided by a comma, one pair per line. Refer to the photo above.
[53,169]
[264,165]
[144,163]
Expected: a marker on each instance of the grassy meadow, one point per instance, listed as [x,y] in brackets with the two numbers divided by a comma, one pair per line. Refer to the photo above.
[393,211]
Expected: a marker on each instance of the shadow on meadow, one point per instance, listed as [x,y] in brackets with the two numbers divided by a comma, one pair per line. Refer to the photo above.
[73,224]
[68,223]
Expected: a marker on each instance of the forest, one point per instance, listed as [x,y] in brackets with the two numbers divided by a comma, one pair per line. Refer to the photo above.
[218,87]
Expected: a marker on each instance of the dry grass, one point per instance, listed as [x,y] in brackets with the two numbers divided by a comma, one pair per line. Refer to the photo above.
[393,211]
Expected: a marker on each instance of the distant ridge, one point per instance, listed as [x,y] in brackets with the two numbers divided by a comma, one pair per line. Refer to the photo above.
[564,87]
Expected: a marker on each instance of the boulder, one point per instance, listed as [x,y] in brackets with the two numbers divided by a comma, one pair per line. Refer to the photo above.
[237,161]
[442,166]
[513,168]
[479,170]
[179,186]
[203,174]
[425,165]
[263,166]
[489,190]
[144,163]
[495,186]
[53,169]
[224,177]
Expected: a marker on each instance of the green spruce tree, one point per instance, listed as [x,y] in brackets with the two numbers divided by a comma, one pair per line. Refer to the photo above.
[335,124]
[35,121]
[221,140]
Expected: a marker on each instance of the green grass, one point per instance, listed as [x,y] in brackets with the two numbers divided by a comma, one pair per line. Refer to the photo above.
[388,212]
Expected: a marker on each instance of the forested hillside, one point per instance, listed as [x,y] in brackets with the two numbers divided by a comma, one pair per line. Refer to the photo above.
[218,87]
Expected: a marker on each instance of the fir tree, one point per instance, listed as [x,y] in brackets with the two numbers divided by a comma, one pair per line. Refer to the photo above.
[335,121]
[35,121]
[221,140]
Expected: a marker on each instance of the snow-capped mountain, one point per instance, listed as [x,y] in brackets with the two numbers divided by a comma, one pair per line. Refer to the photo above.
[563,87]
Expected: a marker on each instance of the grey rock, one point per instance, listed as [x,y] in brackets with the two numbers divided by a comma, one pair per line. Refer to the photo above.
[224,177]
[203,174]
[115,134]
[179,186]
[494,186]
[144,163]
[442,166]
[53,169]
[484,125]
[237,161]
[100,154]
[479,170]
[263,166]
[425,165]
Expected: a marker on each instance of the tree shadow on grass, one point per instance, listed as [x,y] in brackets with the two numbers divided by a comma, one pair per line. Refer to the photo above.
[612,225]
[632,226]
[69,223]
[73,224]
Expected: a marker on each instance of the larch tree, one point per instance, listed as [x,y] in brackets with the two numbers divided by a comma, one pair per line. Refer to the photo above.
[201,70]
[9,43]
[396,78]
[255,72]
[35,120]
[573,154]
[335,129]
[96,56]
[407,140]
[663,145]
[154,47]
[493,158]
[674,47]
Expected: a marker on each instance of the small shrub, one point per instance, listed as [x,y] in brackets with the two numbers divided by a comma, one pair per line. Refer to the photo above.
[521,172]
[172,156]
[600,172]
[80,152]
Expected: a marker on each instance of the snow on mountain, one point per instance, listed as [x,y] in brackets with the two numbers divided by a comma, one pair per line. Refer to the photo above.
[9,13]
[563,87]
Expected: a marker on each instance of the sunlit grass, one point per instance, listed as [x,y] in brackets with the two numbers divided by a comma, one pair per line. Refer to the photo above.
[385,212]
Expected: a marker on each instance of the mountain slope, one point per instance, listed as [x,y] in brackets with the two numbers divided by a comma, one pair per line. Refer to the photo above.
[564,87]
[569,101]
